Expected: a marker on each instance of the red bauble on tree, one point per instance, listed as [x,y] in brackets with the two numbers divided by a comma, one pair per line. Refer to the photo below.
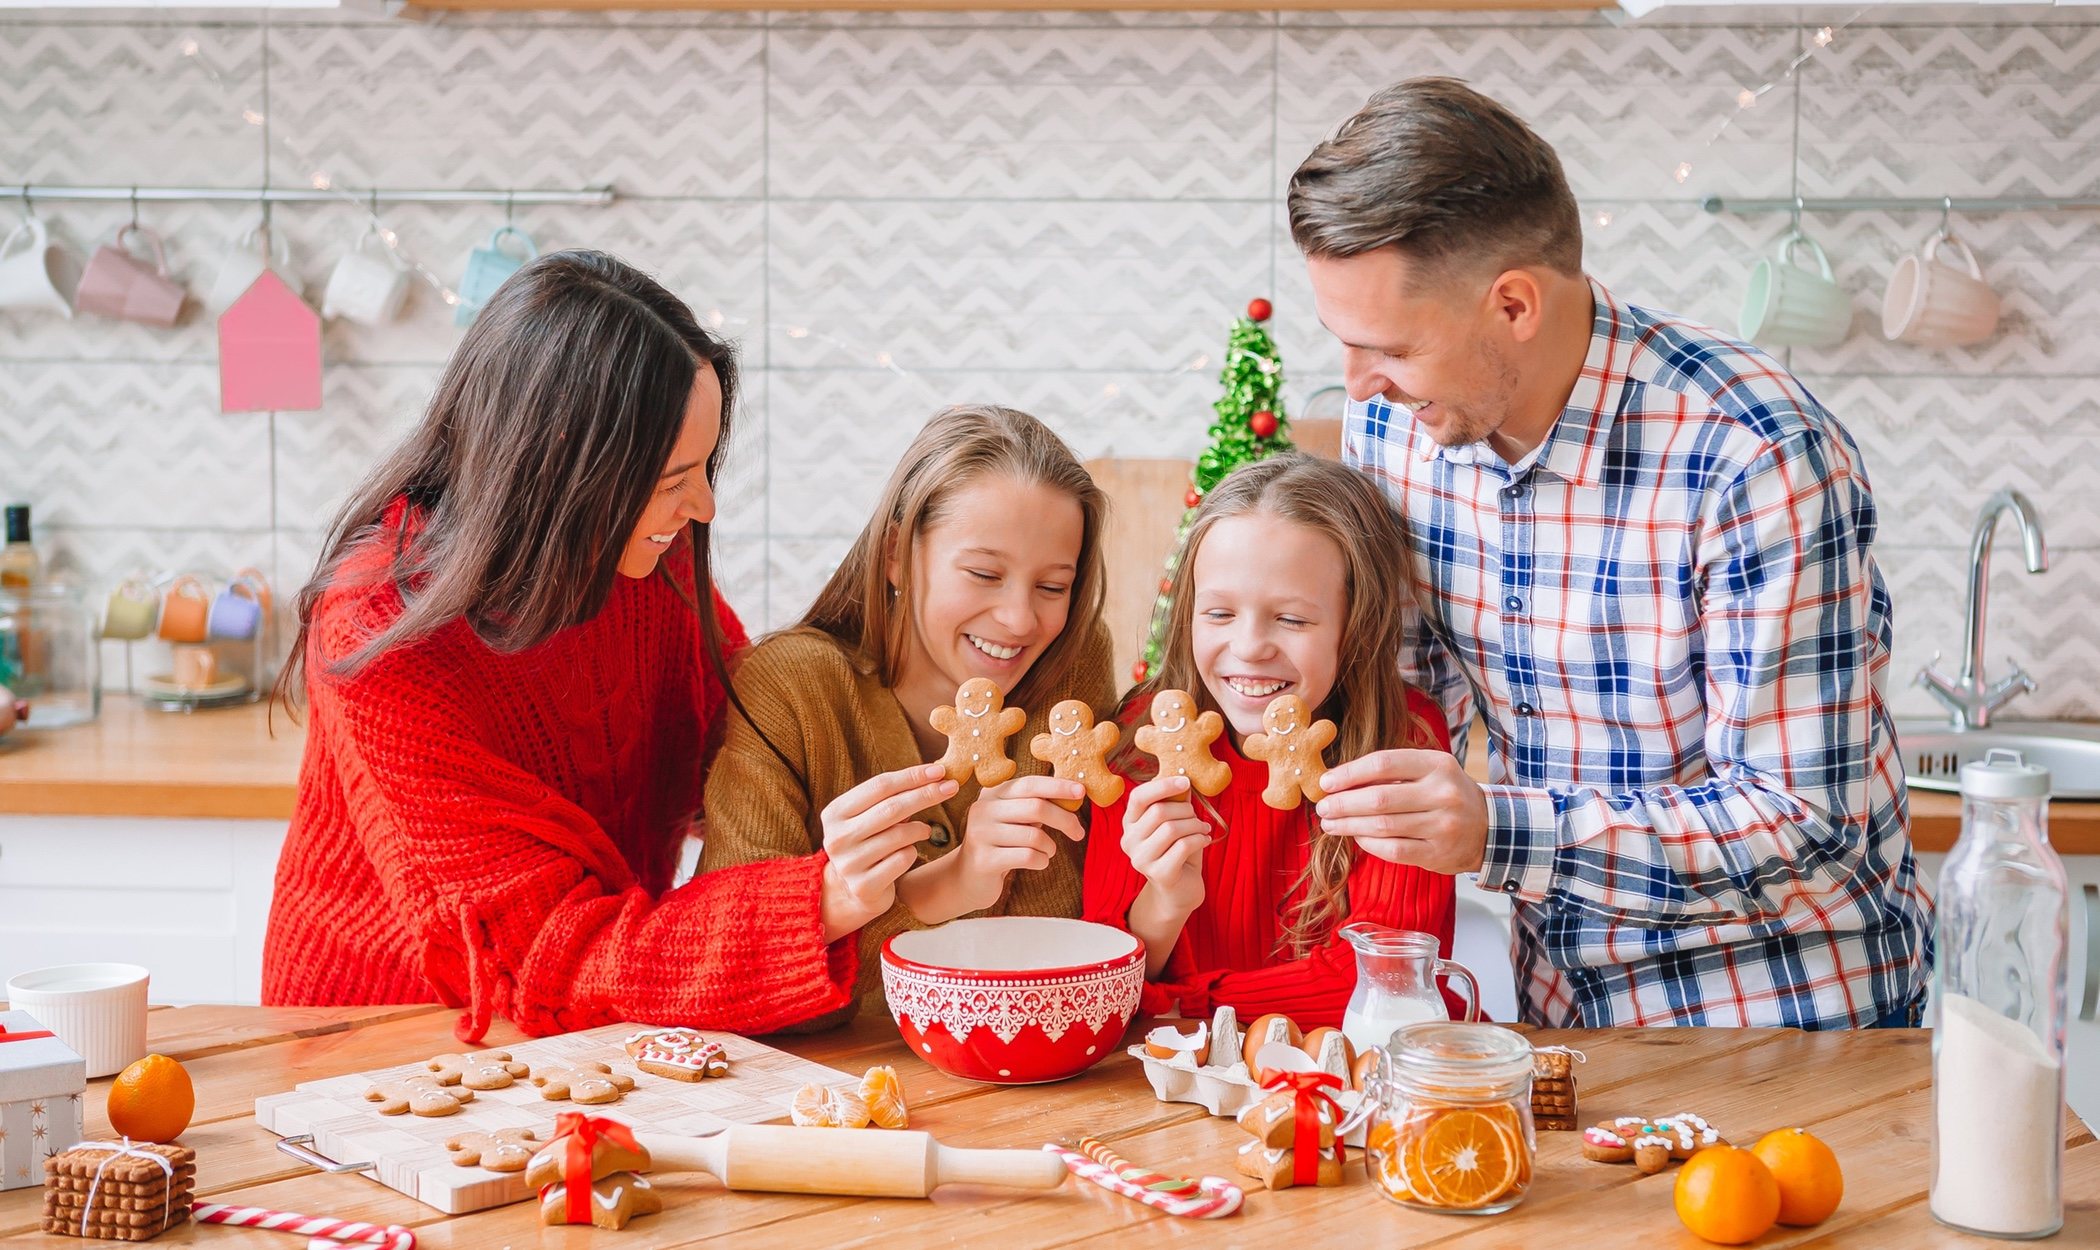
[1258,310]
[1138,671]
[1263,423]
[1193,498]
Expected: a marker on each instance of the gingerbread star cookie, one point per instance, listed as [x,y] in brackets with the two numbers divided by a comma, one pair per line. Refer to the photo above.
[1181,738]
[1076,749]
[978,724]
[1291,747]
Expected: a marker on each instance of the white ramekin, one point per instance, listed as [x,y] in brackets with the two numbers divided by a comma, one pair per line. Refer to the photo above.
[97,1009]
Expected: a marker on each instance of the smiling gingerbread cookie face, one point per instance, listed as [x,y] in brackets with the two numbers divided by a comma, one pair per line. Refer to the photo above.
[1291,747]
[1180,737]
[1076,748]
[978,724]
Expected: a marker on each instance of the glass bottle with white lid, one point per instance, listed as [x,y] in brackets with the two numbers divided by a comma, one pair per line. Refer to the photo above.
[2003,939]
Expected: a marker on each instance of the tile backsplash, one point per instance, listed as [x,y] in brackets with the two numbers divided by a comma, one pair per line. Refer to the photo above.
[1057,211]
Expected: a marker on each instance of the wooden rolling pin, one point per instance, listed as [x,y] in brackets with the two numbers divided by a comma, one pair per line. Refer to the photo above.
[865,1163]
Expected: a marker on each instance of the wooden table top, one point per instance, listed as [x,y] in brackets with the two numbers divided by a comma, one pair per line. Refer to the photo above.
[1868,1094]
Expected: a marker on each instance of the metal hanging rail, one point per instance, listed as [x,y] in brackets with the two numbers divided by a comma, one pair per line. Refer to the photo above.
[589,196]
[1939,204]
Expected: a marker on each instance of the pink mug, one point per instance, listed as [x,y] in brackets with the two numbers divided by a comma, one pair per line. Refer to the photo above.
[119,284]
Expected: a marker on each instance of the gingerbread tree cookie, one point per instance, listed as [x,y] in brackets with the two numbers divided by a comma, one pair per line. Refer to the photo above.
[1291,747]
[1076,749]
[1181,738]
[978,725]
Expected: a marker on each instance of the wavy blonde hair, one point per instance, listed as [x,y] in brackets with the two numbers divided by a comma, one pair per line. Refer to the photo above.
[1369,701]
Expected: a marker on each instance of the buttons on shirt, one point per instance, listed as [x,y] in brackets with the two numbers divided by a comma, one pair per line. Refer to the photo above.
[1509,887]
[1514,603]
[1525,709]
[1515,491]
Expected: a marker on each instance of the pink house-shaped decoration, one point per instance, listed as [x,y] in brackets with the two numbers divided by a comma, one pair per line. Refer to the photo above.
[269,351]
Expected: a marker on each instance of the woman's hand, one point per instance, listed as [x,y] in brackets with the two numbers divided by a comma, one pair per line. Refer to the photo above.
[1164,838]
[1009,829]
[872,844]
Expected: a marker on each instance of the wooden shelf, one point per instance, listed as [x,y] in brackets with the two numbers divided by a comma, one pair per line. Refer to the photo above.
[138,761]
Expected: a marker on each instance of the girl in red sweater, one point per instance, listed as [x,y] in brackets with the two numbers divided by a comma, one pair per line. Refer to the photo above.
[1292,581]
[513,659]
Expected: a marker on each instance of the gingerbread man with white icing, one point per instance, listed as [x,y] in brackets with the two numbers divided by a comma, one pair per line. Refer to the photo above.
[1292,749]
[1181,739]
[978,724]
[1076,748]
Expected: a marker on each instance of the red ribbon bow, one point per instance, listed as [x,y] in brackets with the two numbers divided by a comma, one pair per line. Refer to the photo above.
[1309,1091]
[583,1132]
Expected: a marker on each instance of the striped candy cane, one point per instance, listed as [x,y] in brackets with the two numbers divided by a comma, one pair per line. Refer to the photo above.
[323,1233]
[1207,1199]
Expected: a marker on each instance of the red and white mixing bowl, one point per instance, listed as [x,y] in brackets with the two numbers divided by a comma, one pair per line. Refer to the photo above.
[1014,1000]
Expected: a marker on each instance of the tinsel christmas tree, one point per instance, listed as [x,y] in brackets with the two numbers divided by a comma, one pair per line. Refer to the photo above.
[1250,426]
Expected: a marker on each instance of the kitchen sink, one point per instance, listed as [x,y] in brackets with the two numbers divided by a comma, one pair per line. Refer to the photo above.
[1933,753]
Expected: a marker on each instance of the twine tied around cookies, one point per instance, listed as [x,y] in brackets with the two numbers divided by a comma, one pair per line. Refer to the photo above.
[583,1132]
[118,1150]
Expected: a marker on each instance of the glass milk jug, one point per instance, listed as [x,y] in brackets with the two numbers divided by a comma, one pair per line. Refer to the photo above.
[1998,1032]
[1396,972]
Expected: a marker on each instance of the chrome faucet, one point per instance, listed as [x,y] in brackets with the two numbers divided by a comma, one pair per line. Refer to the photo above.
[1969,700]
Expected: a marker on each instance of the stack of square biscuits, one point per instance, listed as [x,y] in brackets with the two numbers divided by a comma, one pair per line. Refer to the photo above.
[1553,1089]
[136,1196]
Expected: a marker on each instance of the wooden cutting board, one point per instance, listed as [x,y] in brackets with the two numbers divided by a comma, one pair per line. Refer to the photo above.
[408,1151]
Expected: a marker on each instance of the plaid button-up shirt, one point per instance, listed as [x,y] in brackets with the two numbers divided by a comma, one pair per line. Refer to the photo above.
[1672,623]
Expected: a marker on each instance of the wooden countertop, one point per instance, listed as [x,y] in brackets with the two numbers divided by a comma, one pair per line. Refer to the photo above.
[135,760]
[1867,1094]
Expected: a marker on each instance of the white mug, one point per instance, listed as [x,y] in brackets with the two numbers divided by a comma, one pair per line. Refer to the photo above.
[32,271]
[365,287]
[97,1009]
[1935,304]
[1786,305]
[246,258]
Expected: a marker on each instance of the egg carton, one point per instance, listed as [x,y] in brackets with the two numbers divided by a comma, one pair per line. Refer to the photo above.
[1229,1089]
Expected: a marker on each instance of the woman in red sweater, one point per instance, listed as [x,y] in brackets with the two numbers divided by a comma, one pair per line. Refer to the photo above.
[1287,585]
[513,659]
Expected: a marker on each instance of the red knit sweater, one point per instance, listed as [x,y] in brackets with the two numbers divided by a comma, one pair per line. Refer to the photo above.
[499,832]
[1228,951]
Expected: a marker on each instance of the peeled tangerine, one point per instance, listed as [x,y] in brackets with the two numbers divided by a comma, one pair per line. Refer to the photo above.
[884,1094]
[818,1107]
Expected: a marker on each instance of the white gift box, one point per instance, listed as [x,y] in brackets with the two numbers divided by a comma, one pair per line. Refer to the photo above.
[41,1083]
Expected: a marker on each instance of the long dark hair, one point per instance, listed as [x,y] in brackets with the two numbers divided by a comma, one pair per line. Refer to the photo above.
[548,432]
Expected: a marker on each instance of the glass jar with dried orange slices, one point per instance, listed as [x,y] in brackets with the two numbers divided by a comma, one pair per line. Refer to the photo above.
[1449,1109]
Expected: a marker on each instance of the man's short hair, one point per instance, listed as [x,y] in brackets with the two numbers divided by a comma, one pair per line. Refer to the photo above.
[1441,172]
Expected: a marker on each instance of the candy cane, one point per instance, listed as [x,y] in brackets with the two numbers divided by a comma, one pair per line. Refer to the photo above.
[1207,1199]
[325,1234]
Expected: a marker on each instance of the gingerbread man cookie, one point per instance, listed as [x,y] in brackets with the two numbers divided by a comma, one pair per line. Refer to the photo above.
[615,1200]
[505,1150]
[1292,749]
[423,1095]
[681,1054]
[1649,1145]
[1181,739]
[478,1069]
[582,1081]
[1076,749]
[978,725]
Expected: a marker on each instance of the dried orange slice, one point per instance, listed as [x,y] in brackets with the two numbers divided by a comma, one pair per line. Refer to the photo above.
[1466,1158]
[884,1094]
[817,1107]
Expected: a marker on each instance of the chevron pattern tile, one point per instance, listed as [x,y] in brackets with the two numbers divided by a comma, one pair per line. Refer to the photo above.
[1169,114]
[2041,621]
[321,456]
[659,111]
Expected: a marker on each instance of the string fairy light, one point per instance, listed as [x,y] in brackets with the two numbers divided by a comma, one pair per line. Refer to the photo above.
[1747,98]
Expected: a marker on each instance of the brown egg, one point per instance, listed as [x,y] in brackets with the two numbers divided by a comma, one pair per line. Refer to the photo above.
[1258,1037]
[1360,1071]
[1316,1041]
[1160,1046]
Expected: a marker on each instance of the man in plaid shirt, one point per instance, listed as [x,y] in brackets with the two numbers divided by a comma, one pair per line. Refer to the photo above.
[1644,550]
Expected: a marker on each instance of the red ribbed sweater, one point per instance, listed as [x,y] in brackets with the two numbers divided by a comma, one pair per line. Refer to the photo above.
[499,832]
[1228,954]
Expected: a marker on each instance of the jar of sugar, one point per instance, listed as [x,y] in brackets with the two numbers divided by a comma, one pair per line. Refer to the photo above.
[2003,939]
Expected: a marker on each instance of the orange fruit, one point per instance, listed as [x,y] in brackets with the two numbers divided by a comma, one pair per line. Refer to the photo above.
[1810,1182]
[817,1107]
[884,1094]
[1727,1195]
[152,1100]
[1464,1158]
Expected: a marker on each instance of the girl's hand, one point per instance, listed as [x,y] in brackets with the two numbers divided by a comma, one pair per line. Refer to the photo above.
[872,844]
[1009,829]
[1164,838]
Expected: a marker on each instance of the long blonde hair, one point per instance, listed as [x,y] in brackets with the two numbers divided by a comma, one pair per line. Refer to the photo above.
[958,447]
[1369,701]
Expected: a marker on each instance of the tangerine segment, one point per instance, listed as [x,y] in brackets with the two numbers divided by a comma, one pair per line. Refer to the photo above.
[817,1107]
[1464,1159]
[884,1094]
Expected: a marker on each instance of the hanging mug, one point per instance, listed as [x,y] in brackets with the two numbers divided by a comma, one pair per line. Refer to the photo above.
[366,287]
[32,271]
[247,254]
[1936,304]
[1787,305]
[487,267]
[120,285]
[238,611]
[133,609]
[185,611]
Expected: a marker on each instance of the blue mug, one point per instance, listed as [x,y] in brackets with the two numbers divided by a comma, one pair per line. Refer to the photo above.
[238,611]
[487,267]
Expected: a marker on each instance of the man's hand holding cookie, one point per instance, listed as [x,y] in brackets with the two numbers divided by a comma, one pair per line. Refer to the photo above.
[1408,807]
